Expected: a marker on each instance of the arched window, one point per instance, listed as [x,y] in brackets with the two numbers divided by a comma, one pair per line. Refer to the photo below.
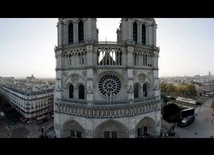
[81,92]
[145,59]
[71,91]
[144,34]
[145,90]
[70,33]
[70,60]
[135,31]
[81,32]
[136,90]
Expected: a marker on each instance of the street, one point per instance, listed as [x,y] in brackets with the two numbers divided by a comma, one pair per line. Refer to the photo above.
[8,129]
[201,127]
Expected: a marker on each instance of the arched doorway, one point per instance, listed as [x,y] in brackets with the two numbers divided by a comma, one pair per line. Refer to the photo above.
[146,127]
[111,129]
[72,129]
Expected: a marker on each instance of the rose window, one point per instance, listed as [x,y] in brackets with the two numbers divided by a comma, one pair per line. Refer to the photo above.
[109,85]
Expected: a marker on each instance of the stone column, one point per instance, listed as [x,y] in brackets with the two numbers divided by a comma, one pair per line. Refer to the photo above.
[75,33]
[124,31]
[150,35]
[64,34]
[155,74]
[89,50]
[130,31]
[124,57]
[147,34]
[89,29]
[155,28]
[59,33]
[130,88]
[90,88]
[130,50]
[158,122]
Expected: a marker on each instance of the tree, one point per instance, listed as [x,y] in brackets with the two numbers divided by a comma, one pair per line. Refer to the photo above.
[162,86]
[171,113]
[191,89]
[165,99]
[170,88]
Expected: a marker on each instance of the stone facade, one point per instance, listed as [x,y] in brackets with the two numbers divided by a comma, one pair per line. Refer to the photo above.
[106,89]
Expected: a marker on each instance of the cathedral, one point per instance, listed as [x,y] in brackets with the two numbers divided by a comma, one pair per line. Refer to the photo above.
[107,89]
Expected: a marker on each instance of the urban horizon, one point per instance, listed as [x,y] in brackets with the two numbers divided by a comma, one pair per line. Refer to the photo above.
[37,57]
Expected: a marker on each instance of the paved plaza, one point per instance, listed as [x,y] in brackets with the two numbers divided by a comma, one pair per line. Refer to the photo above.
[202,126]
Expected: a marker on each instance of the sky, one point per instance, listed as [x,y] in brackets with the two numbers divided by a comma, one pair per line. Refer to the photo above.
[27,45]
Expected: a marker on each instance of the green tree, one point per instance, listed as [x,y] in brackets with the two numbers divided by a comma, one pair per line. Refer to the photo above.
[183,89]
[164,98]
[170,88]
[162,86]
[191,89]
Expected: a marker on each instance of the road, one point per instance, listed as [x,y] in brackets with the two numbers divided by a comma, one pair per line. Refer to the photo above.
[202,126]
[20,129]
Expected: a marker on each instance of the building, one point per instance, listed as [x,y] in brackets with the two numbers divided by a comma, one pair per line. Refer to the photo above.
[30,78]
[33,101]
[107,89]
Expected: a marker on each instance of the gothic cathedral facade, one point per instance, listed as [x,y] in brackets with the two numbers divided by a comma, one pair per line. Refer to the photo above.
[107,89]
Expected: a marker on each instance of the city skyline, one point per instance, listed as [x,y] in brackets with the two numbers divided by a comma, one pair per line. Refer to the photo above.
[28,45]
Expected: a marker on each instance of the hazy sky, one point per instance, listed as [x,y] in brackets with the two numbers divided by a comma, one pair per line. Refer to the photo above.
[27,45]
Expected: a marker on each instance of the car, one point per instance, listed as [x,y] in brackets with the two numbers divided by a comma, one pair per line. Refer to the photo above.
[186,121]
[39,122]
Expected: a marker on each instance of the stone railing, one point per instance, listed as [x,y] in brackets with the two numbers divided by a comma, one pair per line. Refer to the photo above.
[107,111]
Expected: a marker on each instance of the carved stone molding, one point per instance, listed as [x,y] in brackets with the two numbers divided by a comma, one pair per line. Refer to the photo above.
[130,89]
[96,71]
[84,73]
[141,78]
[131,131]
[123,71]
[89,133]
[89,49]
[58,53]
[58,89]
[65,74]
[89,91]
[57,126]
[75,79]
[107,112]
[134,73]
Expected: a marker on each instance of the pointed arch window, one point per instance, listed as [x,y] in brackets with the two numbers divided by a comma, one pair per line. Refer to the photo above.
[136,90]
[135,59]
[70,59]
[81,92]
[81,31]
[143,34]
[135,31]
[145,91]
[71,91]
[70,33]
[145,59]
